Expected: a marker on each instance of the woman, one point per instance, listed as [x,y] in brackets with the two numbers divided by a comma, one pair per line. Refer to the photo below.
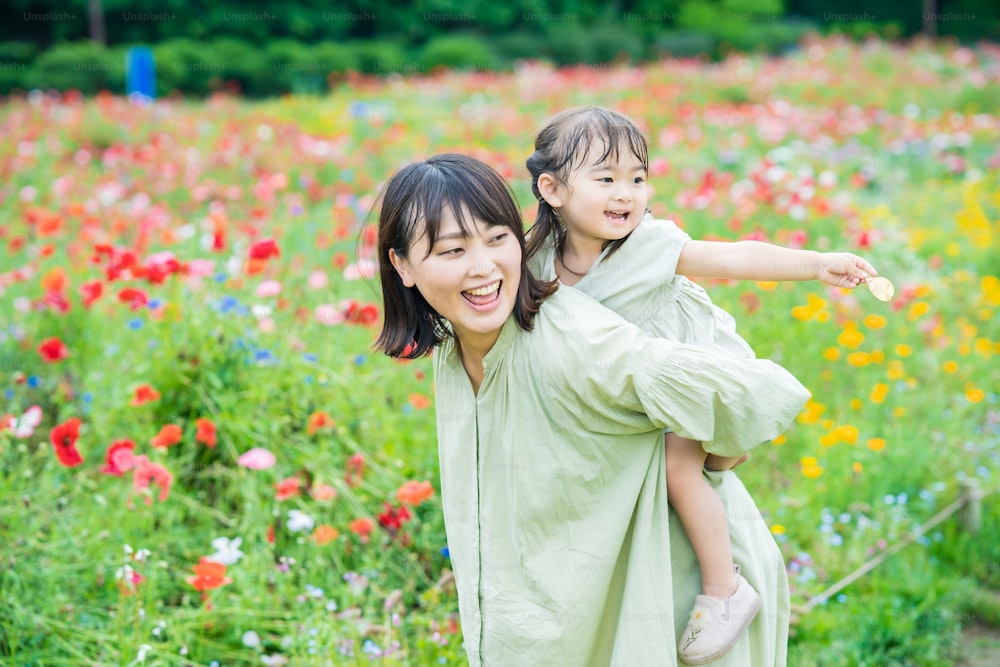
[550,421]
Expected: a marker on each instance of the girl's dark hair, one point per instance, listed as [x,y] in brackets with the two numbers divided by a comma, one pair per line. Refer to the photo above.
[563,144]
[411,205]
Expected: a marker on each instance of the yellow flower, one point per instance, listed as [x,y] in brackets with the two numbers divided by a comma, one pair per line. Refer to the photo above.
[767,285]
[850,338]
[874,321]
[876,444]
[968,330]
[859,359]
[899,411]
[895,371]
[904,350]
[878,356]
[985,314]
[856,403]
[802,313]
[811,412]
[857,467]
[964,349]
[778,529]
[780,440]
[879,392]
[950,366]
[983,346]
[917,310]
[848,433]
[952,249]
[828,439]
[831,353]
[974,394]
[823,316]
[827,424]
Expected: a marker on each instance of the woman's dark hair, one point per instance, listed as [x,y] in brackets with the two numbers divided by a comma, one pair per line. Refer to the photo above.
[411,205]
[563,144]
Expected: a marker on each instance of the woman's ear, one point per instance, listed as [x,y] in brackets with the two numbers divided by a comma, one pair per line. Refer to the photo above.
[402,267]
[548,186]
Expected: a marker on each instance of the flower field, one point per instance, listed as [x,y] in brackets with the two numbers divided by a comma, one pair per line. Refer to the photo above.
[202,462]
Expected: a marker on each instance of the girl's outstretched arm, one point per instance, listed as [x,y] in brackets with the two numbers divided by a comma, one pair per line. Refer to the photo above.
[756,260]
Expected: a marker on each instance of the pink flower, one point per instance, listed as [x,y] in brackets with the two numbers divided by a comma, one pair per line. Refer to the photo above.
[147,473]
[329,314]
[268,288]
[257,459]
[317,280]
[364,268]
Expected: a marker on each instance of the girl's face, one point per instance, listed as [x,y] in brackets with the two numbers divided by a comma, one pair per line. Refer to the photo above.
[603,201]
[471,281]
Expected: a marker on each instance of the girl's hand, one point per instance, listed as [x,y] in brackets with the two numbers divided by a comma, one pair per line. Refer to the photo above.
[843,269]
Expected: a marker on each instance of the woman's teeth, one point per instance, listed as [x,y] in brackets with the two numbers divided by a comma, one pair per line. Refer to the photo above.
[483,291]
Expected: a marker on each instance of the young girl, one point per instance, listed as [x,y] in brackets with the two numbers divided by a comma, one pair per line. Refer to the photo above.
[550,414]
[593,231]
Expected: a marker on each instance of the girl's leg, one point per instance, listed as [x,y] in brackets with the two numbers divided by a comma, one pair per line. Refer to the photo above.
[702,513]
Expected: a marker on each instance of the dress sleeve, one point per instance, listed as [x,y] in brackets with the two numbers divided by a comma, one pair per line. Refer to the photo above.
[617,380]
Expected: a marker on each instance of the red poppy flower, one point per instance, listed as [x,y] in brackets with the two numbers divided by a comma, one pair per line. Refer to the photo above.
[119,458]
[318,420]
[52,350]
[144,394]
[208,575]
[136,298]
[56,301]
[264,249]
[206,432]
[55,280]
[168,435]
[355,470]
[362,528]
[64,437]
[287,488]
[393,519]
[91,292]
[146,473]
[413,492]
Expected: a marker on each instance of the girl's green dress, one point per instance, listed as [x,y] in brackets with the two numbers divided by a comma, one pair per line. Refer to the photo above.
[564,548]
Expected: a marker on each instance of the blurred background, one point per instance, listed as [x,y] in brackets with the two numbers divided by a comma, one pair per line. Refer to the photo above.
[261,49]
[202,462]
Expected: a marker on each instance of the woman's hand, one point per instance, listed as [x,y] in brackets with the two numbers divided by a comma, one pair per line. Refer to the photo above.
[843,269]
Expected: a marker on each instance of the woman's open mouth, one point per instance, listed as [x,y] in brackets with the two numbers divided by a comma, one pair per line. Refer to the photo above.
[485,297]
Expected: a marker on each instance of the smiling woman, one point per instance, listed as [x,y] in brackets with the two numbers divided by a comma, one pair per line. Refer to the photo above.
[550,418]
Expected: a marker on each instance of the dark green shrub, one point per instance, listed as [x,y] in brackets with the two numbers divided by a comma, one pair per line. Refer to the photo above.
[15,59]
[187,66]
[378,57]
[456,51]
[85,66]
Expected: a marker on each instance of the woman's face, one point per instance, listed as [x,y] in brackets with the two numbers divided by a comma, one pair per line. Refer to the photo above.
[471,281]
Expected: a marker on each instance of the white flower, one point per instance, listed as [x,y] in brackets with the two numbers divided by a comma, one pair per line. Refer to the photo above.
[276,660]
[227,551]
[299,521]
[251,639]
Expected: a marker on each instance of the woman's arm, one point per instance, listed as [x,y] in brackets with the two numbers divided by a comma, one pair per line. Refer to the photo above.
[755,260]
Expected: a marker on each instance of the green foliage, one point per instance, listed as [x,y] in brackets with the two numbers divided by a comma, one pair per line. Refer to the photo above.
[85,66]
[381,57]
[457,52]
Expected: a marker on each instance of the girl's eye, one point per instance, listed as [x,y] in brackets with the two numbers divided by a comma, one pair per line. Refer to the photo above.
[640,179]
[606,179]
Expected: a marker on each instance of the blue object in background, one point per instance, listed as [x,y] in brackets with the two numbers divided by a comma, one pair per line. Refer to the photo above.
[140,72]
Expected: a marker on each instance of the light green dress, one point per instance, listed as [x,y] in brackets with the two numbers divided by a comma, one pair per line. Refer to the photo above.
[554,489]
[639,282]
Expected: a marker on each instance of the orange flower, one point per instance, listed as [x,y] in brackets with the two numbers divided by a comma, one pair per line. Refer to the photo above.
[876,444]
[144,394]
[287,488]
[318,420]
[55,280]
[208,575]
[168,435]
[206,432]
[414,493]
[362,528]
[419,401]
[325,534]
[879,392]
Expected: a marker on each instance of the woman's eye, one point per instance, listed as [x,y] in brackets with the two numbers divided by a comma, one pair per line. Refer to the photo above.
[452,251]
[500,237]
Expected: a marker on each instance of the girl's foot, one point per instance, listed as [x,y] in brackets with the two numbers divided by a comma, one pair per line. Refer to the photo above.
[717,624]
